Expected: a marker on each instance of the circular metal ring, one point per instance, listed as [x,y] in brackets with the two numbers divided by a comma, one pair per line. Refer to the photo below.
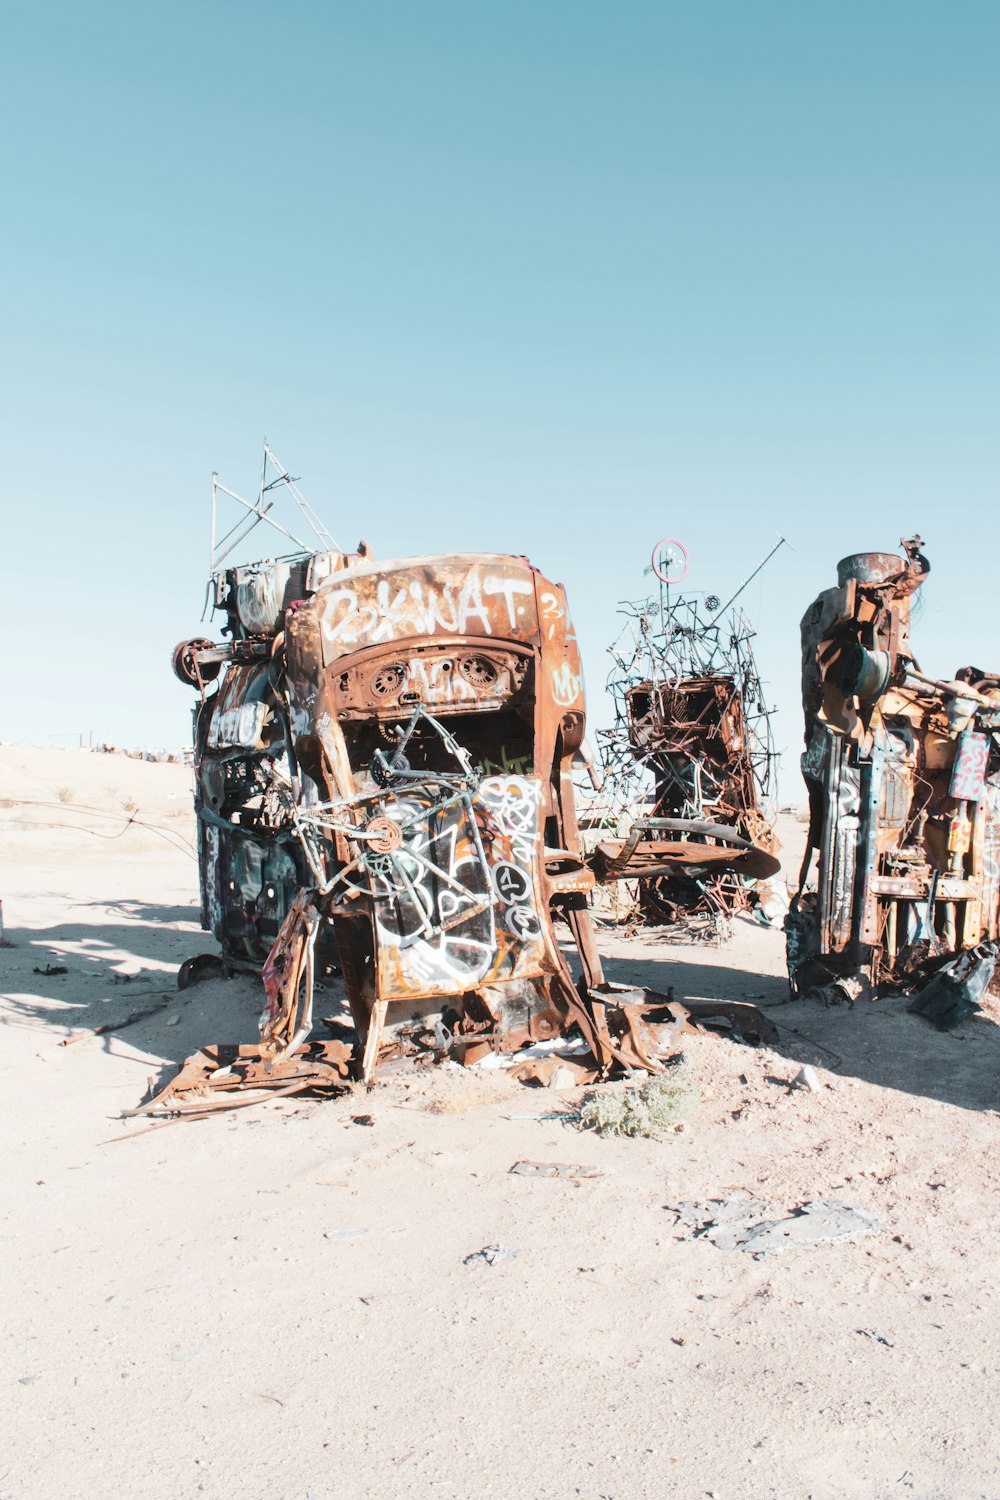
[664,567]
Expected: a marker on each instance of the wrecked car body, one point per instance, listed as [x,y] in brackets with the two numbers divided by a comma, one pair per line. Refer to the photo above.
[383,764]
[684,818]
[903,776]
[384,781]
[436,708]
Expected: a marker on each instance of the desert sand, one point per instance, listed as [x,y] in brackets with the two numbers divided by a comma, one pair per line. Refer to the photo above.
[275,1304]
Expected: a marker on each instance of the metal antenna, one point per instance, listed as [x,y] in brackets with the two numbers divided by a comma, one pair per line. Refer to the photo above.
[320,532]
[780,543]
[226,544]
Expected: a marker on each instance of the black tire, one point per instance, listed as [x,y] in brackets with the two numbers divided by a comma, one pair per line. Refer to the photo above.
[202,966]
[183,663]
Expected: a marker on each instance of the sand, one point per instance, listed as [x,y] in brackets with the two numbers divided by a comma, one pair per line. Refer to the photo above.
[276,1303]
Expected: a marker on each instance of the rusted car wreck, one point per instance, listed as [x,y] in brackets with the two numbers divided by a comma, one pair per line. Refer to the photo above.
[384,784]
[903,775]
[684,816]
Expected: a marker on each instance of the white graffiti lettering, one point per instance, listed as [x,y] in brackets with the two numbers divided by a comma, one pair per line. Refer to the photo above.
[438,905]
[413,609]
[552,612]
[436,682]
[352,616]
[567,685]
[508,587]
[513,805]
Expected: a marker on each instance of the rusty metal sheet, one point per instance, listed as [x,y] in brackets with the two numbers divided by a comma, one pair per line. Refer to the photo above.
[217,1076]
[471,596]
[546,1071]
[643,857]
[383,760]
[384,755]
[903,775]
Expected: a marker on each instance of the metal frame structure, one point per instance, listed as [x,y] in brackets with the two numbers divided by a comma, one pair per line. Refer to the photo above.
[259,512]
[690,756]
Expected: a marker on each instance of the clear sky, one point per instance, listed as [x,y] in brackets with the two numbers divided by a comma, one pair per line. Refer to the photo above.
[557,278]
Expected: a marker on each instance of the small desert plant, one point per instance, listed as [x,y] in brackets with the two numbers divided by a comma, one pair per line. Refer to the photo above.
[65,794]
[649,1110]
[130,806]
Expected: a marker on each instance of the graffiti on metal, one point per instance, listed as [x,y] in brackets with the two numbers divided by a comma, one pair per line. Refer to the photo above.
[447,596]
[903,776]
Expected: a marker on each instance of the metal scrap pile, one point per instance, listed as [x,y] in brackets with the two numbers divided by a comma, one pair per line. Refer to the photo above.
[903,774]
[384,785]
[684,819]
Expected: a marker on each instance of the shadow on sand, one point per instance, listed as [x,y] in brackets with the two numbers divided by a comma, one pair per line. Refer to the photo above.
[878,1042]
[117,969]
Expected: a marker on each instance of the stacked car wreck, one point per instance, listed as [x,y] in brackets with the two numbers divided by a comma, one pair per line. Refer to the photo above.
[384,756]
[903,775]
[384,786]
[396,739]
[436,706]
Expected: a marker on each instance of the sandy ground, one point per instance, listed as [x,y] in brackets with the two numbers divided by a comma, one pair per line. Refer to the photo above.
[275,1305]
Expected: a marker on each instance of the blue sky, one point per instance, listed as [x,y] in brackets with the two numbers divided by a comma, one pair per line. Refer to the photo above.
[558,278]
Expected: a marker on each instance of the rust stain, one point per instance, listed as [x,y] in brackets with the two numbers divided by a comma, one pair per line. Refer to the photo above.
[903,776]
[384,758]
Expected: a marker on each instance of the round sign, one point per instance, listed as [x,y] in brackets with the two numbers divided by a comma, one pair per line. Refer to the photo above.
[510,883]
[670,560]
[523,923]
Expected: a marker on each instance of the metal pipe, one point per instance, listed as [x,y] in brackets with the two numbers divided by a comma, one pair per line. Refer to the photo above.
[781,543]
[952,690]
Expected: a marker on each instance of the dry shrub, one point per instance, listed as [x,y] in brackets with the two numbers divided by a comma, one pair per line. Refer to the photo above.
[649,1110]
[65,794]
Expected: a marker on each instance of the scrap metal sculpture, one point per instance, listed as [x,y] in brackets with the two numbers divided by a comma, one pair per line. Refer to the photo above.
[684,817]
[903,775]
[384,783]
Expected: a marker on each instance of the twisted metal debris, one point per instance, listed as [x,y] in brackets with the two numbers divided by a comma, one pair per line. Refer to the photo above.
[903,776]
[686,807]
[383,765]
